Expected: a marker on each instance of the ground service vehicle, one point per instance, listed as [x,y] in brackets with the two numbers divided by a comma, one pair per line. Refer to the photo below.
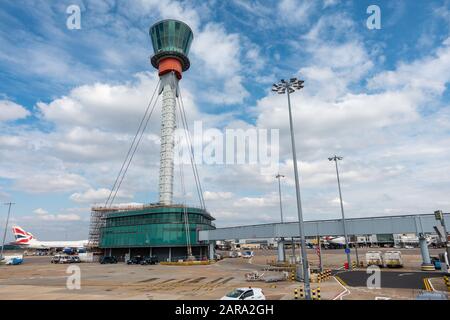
[374,258]
[75,259]
[393,259]
[436,262]
[149,260]
[245,294]
[108,260]
[135,260]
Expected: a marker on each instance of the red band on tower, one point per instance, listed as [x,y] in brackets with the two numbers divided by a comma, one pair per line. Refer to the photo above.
[170,64]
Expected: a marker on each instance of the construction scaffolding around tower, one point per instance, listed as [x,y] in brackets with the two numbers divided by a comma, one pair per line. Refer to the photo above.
[98,221]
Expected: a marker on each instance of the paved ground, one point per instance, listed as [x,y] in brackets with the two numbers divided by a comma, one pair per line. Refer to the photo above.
[37,278]
[391,279]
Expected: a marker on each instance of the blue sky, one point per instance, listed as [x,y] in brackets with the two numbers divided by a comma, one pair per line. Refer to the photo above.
[70,101]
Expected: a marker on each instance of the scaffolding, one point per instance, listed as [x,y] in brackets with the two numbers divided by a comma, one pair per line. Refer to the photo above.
[100,213]
[98,221]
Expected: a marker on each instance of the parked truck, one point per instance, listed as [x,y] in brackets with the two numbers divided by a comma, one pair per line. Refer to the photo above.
[374,258]
[393,259]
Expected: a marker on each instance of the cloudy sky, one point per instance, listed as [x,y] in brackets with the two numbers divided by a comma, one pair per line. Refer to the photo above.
[71,100]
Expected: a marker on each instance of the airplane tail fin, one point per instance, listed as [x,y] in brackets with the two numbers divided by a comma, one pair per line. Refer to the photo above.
[21,236]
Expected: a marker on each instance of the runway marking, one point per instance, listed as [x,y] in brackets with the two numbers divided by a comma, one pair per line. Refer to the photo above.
[427,283]
[197,280]
[226,280]
[344,293]
[216,280]
[148,280]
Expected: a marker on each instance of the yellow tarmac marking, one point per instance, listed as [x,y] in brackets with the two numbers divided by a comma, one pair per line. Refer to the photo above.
[427,284]
[341,281]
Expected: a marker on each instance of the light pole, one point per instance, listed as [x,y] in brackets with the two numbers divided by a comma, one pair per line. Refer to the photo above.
[289,87]
[281,251]
[9,204]
[347,249]
[279,176]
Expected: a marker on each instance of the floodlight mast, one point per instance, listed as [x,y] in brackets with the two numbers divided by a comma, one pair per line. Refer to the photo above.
[289,87]
[336,158]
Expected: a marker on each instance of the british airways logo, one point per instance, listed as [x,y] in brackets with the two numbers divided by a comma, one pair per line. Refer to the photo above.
[21,236]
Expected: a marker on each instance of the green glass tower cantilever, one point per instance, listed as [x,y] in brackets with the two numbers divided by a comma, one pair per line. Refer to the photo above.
[171,38]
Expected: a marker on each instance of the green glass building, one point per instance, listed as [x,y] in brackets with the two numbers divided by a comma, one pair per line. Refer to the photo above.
[171,38]
[162,231]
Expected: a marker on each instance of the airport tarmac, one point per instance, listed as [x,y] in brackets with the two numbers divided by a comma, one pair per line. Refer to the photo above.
[37,278]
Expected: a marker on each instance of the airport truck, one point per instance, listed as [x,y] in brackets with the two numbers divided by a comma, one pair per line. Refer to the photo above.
[374,258]
[393,259]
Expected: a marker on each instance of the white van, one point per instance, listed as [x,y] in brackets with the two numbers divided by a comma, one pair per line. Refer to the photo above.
[393,259]
[374,258]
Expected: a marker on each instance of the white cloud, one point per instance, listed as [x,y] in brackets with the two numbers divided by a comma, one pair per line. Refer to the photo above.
[44,215]
[295,11]
[211,195]
[12,111]
[96,196]
[50,182]
[430,74]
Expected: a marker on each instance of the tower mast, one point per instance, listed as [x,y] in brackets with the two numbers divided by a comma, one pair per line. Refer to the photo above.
[171,41]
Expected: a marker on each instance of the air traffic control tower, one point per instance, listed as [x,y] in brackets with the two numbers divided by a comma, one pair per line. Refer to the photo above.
[164,229]
[171,41]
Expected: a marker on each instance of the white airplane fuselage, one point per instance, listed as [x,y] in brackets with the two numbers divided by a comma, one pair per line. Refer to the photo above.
[26,240]
[36,244]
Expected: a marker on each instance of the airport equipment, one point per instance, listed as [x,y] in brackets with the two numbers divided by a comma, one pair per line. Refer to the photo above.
[135,260]
[335,158]
[245,294]
[86,256]
[280,247]
[149,260]
[143,230]
[302,293]
[439,215]
[12,260]
[288,87]
[393,259]
[253,276]
[444,262]
[374,258]
[108,260]
[9,204]
[282,276]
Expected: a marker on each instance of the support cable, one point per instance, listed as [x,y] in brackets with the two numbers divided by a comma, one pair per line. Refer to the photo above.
[133,147]
[186,135]
[185,213]
[191,151]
